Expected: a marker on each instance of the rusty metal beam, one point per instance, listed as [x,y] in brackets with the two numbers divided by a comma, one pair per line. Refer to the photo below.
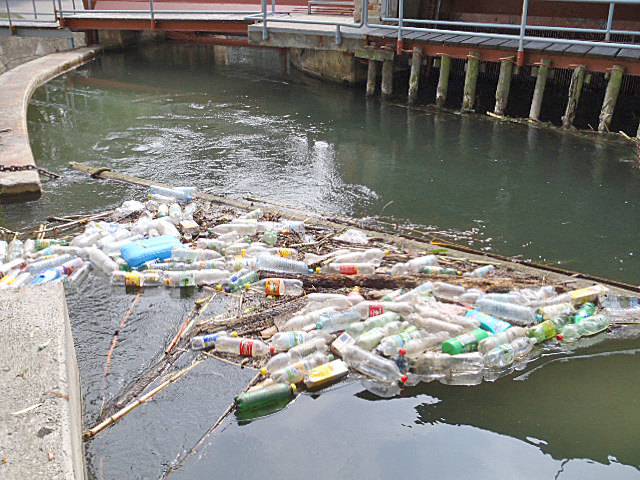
[229,27]
[230,42]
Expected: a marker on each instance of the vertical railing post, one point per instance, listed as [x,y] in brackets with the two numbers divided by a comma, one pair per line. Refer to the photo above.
[265,30]
[152,12]
[35,12]
[9,16]
[400,19]
[523,28]
[59,8]
[273,6]
[607,36]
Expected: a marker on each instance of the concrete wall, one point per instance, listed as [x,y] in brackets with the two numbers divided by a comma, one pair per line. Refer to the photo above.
[15,51]
[334,66]
[40,412]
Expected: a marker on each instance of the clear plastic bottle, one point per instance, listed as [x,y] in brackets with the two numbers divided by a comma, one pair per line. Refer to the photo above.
[242,282]
[392,344]
[22,279]
[505,354]
[434,325]
[239,228]
[41,265]
[373,365]
[466,366]
[292,226]
[588,326]
[115,248]
[175,213]
[371,255]
[414,265]
[282,341]
[507,311]
[270,237]
[212,244]
[416,346]
[185,254]
[370,339]
[340,302]
[257,213]
[313,258]
[87,239]
[543,331]
[481,272]
[349,268]
[163,210]
[368,309]
[209,276]
[279,264]
[180,194]
[295,373]
[418,293]
[438,270]
[248,347]
[29,246]
[69,266]
[280,286]
[4,248]
[300,321]
[148,278]
[553,311]
[296,353]
[8,280]
[336,321]
[448,290]
[358,328]
[586,310]
[506,336]
[78,276]
[101,260]
[15,250]
[202,342]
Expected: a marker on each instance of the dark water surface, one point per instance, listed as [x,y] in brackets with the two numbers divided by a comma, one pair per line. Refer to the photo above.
[229,123]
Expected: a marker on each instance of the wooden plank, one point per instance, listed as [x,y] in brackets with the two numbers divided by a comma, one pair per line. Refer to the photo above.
[427,37]
[608,52]
[457,39]
[510,44]
[412,35]
[474,41]
[442,38]
[536,45]
[377,32]
[630,53]
[494,42]
[557,47]
[374,54]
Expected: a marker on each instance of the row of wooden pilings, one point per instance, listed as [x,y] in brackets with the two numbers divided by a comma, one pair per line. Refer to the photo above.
[383,59]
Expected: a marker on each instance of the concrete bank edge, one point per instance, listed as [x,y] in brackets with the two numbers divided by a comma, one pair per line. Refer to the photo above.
[16,89]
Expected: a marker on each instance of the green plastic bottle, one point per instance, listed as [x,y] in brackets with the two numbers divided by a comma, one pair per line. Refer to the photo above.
[436,270]
[467,342]
[585,311]
[270,237]
[241,282]
[265,396]
[543,331]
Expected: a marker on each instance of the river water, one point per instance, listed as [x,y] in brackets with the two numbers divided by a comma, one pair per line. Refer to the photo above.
[227,121]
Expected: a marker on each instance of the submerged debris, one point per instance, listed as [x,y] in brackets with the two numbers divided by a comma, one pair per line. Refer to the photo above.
[311,304]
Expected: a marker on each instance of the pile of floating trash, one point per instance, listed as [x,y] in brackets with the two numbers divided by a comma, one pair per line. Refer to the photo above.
[459,332]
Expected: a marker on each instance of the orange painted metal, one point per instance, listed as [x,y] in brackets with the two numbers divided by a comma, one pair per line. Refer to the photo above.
[229,27]
[230,42]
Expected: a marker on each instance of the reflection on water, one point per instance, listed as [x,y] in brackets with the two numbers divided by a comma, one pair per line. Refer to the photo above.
[229,123]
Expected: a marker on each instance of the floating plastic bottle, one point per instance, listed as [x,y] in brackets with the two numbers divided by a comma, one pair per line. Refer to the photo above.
[193,254]
[78,276]
[180,194]
[296,353]
[248,347]
[371,255]
[300,321]
[15,250]
[553,311]
[467,342]
[285,340]
[371,309]
[481,272]
[505,354]
[370,339]
[588,326]
[373,365]
[163,210]
[280,286]
[506,336]
[488,322]
[292,226]
[434,325]
[358,328]
[543,331]
[392,344]
[414,265]
[255,399]
[202,342]
[149,278]
[463,369]
[418,293]
[393,296]
[48,275]
[101,260]
[313,258]
[239,228]
[336,321]
[257,213]
[270,237]
[447,290]
[416,346]
[22,279]
[349,268]
[507,311]
[437,270]
[212,244]
[586,310]
[243,281]
[279,264]
[41,265]
[115,248]
[295,373]
[69,266]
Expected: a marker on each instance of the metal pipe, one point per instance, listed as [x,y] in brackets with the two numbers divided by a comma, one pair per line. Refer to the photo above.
[364,21]
[273,6]
[338,35]
[265,30]
[523,27]
[59,7]
[198,12]
[35,12]
[400,16]
[9,16]
[607,35]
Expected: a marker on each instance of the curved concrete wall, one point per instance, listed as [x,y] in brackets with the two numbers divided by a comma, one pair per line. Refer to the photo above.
[16,87]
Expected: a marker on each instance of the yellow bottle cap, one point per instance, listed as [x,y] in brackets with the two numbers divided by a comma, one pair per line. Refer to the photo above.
[243,251]
[318,270]
[387,252]
[247,286]
[264,371]
[294,389]
[219,287]
[234,334]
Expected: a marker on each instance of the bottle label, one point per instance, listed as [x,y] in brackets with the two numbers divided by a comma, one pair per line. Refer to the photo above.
[294,372]
[349,269]
[468,341]
[274,286]
[284,252]
[133,280]
[246,348]
[376,308]
[549,328]
[295,338]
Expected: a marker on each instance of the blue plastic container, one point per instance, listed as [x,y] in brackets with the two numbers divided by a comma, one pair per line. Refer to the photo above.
[136,253]
[488,322]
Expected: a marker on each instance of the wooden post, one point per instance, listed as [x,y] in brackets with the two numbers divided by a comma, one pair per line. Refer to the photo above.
[372,77]
[387,78]
[610,98]
[470,81]
[414,78]
[538,92]
[575,89]
[638,133]
[504,85]
[443,80]
[284,61]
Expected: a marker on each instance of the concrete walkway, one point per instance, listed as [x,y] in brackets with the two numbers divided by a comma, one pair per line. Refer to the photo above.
[40,410]
[16,87]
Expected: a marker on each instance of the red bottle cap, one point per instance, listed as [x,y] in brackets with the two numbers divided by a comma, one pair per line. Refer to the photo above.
[404,378]
[402,352]
[272,350]
[559,336]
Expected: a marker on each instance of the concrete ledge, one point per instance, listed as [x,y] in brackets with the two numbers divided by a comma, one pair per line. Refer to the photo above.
[40,412]
[16,88]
